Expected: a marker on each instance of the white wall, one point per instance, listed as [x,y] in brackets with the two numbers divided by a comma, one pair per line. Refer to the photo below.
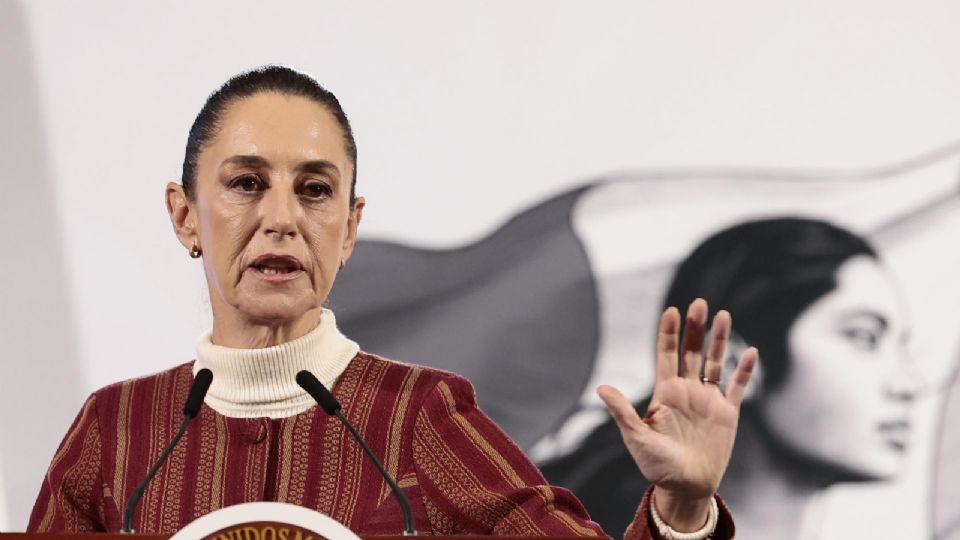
[465,111]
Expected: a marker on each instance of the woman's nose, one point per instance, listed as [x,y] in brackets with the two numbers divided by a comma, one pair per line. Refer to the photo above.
[905,383]
[279,214]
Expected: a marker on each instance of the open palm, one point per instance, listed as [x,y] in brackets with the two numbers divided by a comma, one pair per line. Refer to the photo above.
[684,442]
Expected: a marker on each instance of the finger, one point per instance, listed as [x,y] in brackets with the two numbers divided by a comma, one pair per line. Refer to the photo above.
[621,409]
[668,339]
[738,383]
[717,352]
[693,333]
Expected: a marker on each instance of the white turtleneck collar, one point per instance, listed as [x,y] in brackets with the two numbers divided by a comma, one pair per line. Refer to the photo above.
[253,383]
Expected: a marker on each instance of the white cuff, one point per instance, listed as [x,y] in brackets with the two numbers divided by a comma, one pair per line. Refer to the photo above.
[705,532]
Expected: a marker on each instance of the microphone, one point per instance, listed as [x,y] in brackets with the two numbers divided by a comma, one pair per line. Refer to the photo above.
[332,407]
[201,383]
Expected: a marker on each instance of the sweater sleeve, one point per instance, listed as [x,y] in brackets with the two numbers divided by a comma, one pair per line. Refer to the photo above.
[70,497]
[475,480]
[642,528]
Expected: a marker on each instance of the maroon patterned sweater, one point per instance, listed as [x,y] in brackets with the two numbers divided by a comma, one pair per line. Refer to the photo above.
[461,473]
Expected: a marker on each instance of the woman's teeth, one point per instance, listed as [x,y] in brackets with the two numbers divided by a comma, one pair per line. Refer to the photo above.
[272,270]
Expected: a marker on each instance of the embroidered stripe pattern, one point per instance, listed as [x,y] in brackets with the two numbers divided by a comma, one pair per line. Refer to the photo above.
[461,473]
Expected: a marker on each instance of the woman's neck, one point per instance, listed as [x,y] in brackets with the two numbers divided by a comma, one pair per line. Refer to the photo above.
[770,497]
[258,382]
[232,329]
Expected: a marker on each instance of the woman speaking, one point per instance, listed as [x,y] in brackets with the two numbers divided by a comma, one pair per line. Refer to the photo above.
[267,201]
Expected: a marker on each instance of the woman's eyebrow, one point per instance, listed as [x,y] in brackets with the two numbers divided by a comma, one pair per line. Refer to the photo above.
[318,166]
[875,317]
[250,161]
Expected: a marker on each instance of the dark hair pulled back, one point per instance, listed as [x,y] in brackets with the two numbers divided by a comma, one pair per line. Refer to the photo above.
[766,273]
[272,78]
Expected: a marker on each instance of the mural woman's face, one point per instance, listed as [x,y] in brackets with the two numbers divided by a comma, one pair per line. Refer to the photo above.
[847,395]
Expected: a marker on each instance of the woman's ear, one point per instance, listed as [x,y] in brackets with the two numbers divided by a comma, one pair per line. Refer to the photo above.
[182,216]
[353,225]
[735,349]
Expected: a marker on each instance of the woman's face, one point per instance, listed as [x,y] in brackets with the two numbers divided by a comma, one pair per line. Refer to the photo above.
[847,395]
[272,208]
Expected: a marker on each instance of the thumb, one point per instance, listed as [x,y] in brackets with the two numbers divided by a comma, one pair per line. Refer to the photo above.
[621,409]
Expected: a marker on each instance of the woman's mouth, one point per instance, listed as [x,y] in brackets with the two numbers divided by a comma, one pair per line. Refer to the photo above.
[896,433]
[276,268]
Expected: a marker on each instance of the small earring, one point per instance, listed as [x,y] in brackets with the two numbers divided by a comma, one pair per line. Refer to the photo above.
[195,252]
[342,264]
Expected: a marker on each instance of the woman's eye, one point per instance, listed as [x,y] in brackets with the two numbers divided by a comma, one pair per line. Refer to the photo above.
[315,190]
[248,183]
[862,338]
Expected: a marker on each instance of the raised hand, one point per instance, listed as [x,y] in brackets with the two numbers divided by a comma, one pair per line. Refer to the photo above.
[684,442]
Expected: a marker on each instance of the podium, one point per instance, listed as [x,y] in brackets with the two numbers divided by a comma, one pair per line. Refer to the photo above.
[251,521]
[122,536]
[84,536]
[247,521]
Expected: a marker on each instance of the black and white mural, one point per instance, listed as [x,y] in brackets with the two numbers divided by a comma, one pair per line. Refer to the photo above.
[818,271]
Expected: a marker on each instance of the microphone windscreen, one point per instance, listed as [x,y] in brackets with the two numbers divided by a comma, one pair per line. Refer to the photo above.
[315,388]
[201,383]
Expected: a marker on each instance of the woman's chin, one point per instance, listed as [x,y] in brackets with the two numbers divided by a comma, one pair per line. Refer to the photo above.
[878,464]
[884,465]
[275,312]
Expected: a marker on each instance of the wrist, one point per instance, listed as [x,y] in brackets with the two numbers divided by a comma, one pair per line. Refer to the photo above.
[681,513]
